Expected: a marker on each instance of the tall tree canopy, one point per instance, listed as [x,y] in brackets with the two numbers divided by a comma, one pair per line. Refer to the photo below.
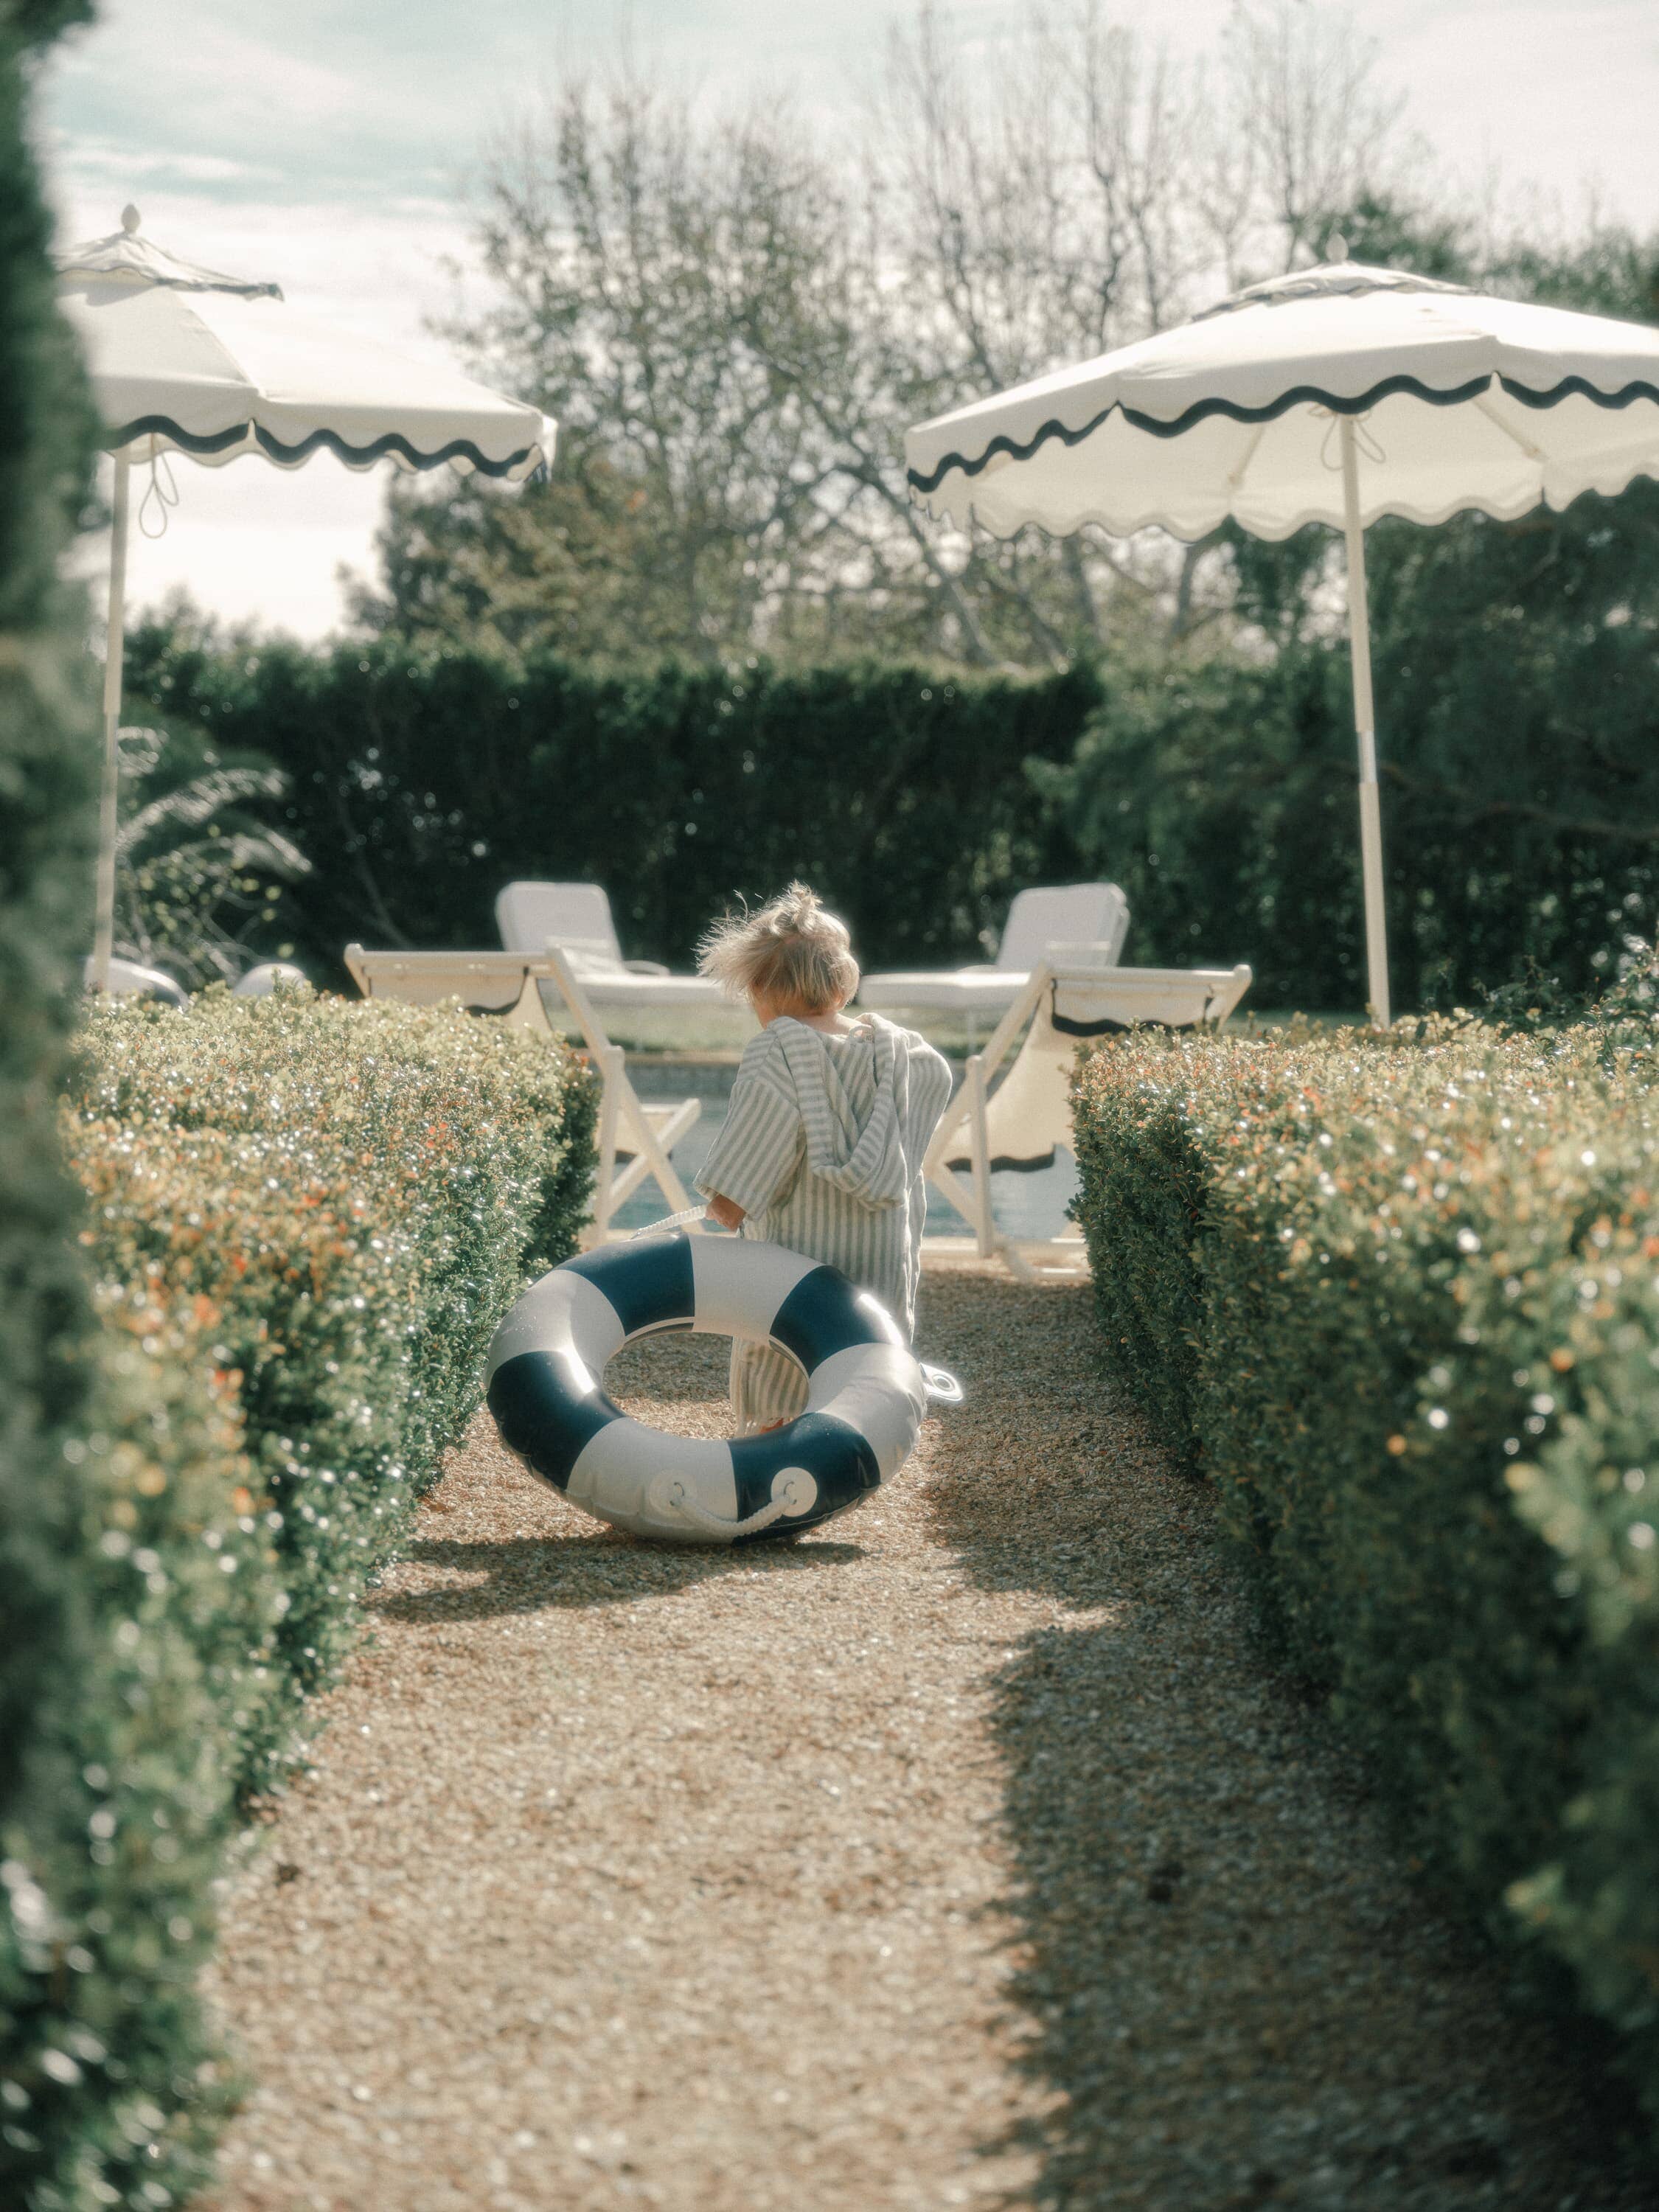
[735,325]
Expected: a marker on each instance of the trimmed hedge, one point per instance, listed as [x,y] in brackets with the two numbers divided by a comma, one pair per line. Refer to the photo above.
[1399,1302]
[109,2083]
[305,1218]
[423,780]
[341,1198]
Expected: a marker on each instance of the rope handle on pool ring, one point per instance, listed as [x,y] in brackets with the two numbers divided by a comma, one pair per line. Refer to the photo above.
[670,1221]
[787,1500]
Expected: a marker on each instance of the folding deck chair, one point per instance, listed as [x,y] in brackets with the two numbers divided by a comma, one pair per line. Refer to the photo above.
[1084,924]
[635,1138]
[1029,1113]
[576,917]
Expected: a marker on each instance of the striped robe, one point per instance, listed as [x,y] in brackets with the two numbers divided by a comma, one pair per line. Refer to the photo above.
[823,1148]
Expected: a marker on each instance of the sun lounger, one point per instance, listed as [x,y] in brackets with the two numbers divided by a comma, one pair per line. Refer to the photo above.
[1086,922]
[128,980]
[1020,1123]
[634,1139]
[576,917]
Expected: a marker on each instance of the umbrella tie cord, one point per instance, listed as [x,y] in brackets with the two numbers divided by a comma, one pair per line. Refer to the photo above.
[164,495]
[1364,438]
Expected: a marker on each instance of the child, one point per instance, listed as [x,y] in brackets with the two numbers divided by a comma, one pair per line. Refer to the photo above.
[830,1115]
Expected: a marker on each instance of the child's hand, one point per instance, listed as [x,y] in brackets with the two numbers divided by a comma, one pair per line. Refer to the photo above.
[726,1212]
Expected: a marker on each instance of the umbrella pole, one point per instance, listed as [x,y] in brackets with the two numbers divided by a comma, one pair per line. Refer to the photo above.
[104,937]
[1364,723]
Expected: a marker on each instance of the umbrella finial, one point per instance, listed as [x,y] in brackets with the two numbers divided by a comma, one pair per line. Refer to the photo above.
[129,218]
[1336,247]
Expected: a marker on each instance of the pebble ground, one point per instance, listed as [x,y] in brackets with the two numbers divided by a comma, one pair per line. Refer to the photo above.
[964,1854]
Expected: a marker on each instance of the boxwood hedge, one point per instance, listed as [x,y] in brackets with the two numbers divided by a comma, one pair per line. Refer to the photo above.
[341,1199]
[303,1221]
[1399,1302]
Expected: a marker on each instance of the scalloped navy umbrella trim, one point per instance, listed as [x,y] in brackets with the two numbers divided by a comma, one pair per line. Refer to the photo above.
[217,441]
[1298,395]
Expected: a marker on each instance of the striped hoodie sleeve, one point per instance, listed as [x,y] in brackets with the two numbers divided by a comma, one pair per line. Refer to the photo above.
[755,1156]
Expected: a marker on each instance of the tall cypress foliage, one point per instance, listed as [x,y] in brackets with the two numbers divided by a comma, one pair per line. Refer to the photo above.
[46,768]
[110,1800]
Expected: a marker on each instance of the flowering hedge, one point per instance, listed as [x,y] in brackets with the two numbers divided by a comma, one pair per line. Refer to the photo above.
[341,1201]
[304,1219]
[1399,1302]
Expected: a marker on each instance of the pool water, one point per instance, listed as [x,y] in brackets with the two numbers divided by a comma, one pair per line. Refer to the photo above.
[1026,1205]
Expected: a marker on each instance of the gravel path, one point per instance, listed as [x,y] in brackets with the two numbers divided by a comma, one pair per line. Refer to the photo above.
[961,1855]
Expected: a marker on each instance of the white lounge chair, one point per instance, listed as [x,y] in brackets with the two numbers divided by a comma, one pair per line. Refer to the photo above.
[576,917]
[635,1138]
[259,982]
[1020,1124]
[128,980]
[1085,922]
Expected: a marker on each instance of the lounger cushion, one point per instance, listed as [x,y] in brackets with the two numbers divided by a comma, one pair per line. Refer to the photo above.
[1082,924]
[963,990]
[529,915]
[576,917]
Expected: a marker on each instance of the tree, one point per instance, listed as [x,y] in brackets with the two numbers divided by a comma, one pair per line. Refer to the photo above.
[735,327]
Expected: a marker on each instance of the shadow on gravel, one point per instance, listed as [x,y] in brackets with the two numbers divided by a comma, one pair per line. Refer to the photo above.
[1238,1999]
[677,1383]
[529,1574]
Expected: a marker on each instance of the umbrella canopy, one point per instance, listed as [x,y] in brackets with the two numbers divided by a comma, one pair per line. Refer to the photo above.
[1336,395]
[187,360]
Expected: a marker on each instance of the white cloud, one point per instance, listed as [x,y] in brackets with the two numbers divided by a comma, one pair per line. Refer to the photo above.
[106,161]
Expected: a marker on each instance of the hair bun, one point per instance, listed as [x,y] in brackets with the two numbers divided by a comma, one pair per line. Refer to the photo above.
[792,948]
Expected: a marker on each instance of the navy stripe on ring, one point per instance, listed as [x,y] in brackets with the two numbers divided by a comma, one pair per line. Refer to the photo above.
[838,1457]
[542,1418]
[824,1313]
[649,1284]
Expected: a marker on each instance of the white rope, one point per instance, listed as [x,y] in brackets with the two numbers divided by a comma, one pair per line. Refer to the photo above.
[673,1221]
[160,496]
[700,1516]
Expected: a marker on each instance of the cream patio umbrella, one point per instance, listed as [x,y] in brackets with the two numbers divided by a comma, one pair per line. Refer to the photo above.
[1335,395]
[184,360]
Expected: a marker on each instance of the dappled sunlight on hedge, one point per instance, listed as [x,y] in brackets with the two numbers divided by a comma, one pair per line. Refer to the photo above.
[338,1201]
[1399,1300]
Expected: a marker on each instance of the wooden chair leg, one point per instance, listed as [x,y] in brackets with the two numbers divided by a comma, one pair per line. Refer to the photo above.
[980,1155]
[611,1078]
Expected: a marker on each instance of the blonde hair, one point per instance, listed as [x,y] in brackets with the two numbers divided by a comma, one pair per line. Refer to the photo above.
[791,948]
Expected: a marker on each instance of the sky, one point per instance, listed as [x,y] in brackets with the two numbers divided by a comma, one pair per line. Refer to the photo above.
[328,144]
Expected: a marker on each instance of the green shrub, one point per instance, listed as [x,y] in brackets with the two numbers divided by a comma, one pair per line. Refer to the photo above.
[107,2071]
[304,1219]
[1396,1301]
[344,1198]
[423,780]
[117,1639]
[162,1609]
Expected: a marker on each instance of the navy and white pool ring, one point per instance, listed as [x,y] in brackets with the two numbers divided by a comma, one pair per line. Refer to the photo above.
[865,1394]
